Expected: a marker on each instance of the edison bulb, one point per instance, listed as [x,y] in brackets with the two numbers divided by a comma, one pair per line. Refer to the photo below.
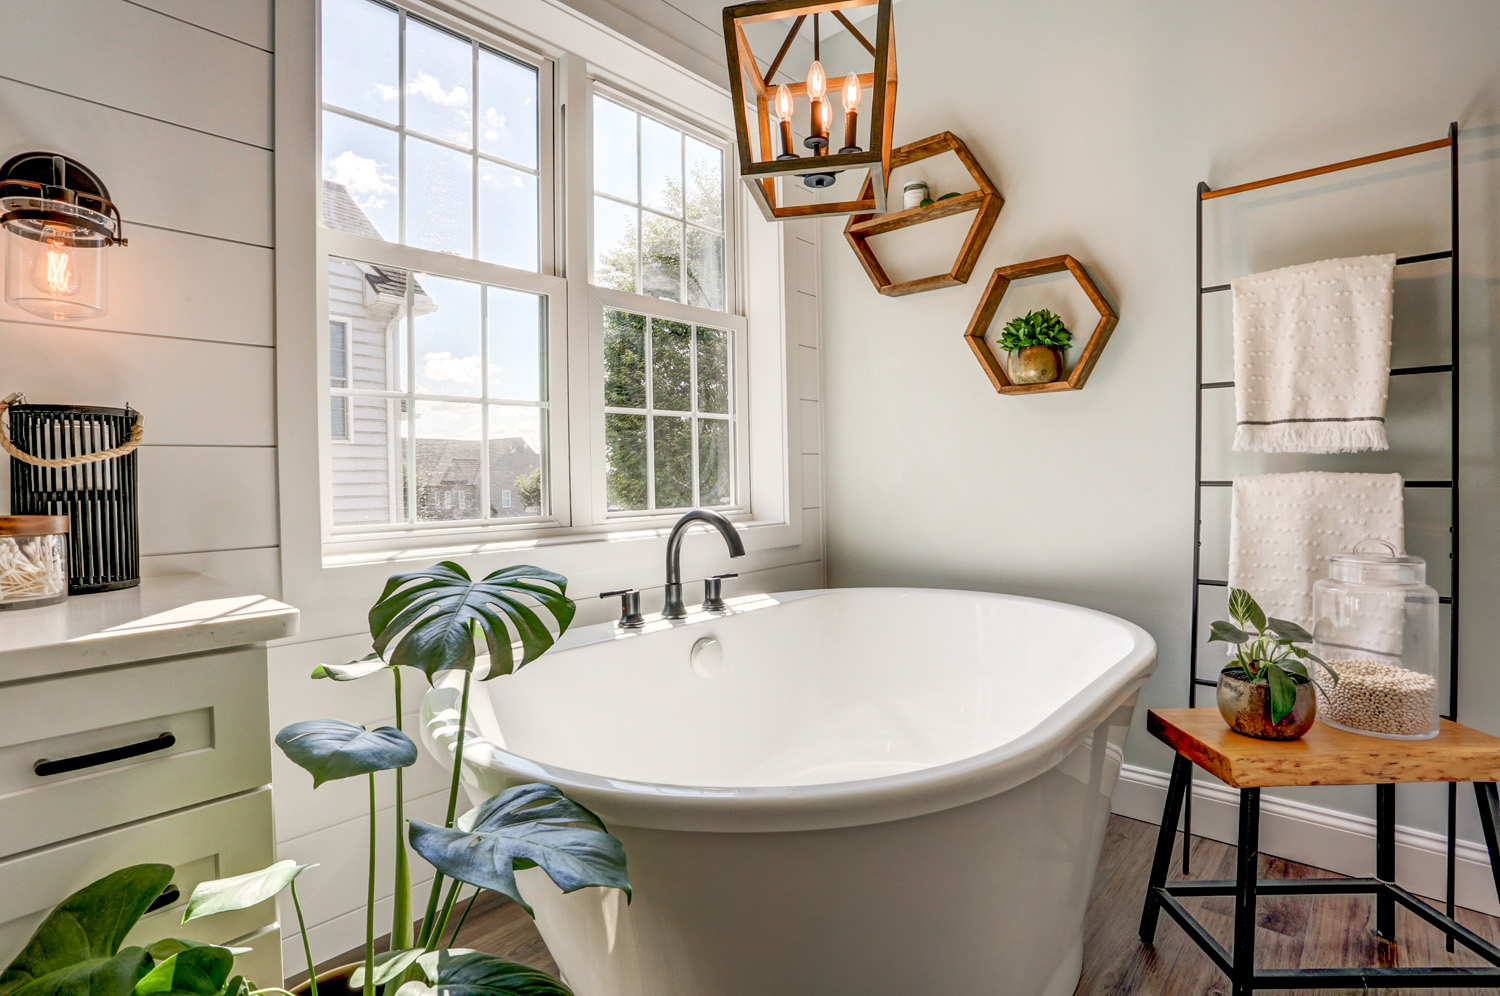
[851,93]
[55,273]
[783,103]
[817,81]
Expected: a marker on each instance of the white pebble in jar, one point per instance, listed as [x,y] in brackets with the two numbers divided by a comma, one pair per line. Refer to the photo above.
[1380,698]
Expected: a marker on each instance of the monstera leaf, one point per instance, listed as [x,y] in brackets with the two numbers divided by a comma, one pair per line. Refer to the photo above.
[198,971]
[241,892]
[461,972]
[525,827]
[76,950]
[331,748]
[353,671]
[432,617]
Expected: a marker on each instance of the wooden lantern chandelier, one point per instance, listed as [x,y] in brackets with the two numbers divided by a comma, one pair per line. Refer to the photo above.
[770,152]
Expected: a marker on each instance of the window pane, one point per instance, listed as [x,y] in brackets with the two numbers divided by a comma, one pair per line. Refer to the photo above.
[625,462]
[507,109]
[448,460]
[661,167]
[705,184]
[615,228]
[715,462]
[661,257]
[439,84]
[369,302]
[439,198]
[705,269]
[338,353]
[614,150]
[713,371]
[517,463]
[518,345]
[447,339]
[369,486]
[624,360]
[507,216]
[674,461]
[672,366]
[361,57]
[360,170]
[338,417]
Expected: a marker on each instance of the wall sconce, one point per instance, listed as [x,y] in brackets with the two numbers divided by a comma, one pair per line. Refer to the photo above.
[58,220]
[766,156]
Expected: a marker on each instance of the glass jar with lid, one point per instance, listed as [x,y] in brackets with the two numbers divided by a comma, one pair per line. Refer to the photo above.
[33,560]
[1375,621]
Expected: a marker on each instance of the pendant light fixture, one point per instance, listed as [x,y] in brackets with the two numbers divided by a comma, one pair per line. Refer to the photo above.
[58,221]
[766,157]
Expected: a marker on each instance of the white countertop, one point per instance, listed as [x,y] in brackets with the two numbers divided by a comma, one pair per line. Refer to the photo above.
[162,617]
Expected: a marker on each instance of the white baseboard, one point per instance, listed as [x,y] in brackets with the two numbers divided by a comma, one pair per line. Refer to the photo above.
[1319,837]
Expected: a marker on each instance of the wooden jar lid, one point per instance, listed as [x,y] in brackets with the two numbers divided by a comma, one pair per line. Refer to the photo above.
[33,525]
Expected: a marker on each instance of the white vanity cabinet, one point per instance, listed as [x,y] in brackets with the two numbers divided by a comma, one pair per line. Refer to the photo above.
[133,729]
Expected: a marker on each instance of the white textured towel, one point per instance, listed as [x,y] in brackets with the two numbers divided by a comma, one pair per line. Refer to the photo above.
[1283,527]
[1312,356]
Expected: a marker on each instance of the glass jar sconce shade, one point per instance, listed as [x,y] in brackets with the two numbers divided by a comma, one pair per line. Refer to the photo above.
[58,222]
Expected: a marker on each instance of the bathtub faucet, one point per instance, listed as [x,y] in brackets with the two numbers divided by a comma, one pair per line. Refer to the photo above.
[674,609]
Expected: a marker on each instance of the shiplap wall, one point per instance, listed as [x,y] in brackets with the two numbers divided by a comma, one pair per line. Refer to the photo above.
[170,101]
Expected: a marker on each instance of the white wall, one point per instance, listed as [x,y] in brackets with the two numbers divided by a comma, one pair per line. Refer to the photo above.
[1097,121]
[170,101]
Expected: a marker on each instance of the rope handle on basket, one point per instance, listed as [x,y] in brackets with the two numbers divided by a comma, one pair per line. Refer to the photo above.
[137,434]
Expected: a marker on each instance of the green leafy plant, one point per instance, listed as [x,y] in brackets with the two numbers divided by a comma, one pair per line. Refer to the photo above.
[1269,655]
[436,620]
[1035,328]
[77,950]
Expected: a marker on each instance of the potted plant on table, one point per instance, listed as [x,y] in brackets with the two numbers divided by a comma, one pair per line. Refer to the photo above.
[1034,343]
[431,620]
[1266,690]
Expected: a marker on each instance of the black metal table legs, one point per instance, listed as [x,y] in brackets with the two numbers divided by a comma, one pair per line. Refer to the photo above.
[1239,963]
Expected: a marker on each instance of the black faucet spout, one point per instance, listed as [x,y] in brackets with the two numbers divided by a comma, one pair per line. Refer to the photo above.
[674,609]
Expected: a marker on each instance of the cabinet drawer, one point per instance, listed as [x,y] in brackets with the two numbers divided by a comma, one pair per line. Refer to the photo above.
[89,751]
[229,837]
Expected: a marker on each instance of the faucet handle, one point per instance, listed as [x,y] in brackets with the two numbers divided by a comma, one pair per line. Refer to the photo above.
[630,607]
[713,592]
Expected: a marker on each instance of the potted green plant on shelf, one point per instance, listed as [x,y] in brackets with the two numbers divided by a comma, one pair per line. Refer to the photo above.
[432,620]
[1034,344]
[1266,689]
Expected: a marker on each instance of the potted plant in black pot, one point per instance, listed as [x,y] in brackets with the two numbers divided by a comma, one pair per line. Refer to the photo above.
[1034,343]
[1266,689]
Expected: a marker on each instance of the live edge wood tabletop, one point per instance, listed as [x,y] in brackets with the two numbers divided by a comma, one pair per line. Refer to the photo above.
[1324,755]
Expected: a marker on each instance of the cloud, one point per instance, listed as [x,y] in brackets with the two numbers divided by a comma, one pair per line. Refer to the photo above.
[428,87]
[362,177]
[445,368]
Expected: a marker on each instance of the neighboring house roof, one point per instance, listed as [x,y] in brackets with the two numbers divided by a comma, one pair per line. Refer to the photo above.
[341,213]
[456,462]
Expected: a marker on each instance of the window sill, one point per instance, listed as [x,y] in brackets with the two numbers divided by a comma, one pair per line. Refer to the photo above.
[424,549]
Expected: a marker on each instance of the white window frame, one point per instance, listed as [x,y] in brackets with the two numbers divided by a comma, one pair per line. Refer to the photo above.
[762,271]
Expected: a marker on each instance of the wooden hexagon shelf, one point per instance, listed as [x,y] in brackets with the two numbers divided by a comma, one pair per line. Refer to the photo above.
[986,201]
[989,303]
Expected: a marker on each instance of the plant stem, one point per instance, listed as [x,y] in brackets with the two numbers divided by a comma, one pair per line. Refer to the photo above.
[429,920]
[453,938]
[370,902]
[401,898]
[312,970]
[436,940]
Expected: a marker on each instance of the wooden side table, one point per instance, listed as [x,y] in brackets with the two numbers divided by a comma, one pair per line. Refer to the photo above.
[1325,756]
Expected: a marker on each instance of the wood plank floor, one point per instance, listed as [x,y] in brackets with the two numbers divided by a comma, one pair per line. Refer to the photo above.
[1326,932]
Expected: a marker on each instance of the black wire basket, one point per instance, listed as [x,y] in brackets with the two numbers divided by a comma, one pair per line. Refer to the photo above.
[98,497]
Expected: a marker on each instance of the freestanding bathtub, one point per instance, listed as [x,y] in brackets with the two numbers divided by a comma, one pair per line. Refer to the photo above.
[853,792]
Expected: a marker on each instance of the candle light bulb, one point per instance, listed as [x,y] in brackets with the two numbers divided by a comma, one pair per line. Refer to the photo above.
[851,93]
[783,103]
[817,81]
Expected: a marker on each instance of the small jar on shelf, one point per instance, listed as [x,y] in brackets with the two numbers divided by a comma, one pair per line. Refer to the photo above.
[33,560]
[1375,621]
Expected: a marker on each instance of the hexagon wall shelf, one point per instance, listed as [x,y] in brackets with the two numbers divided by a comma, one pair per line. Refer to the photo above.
[986,201]
[989,303]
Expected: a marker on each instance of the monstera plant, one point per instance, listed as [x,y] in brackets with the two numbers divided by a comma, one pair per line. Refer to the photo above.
[433,621]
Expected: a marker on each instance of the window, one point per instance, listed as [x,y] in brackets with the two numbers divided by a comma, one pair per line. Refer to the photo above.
[455,351]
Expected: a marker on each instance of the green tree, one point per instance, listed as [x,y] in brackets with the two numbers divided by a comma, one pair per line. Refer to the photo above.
[529,490]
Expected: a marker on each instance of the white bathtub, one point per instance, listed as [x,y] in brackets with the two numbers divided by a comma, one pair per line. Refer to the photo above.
[865,791]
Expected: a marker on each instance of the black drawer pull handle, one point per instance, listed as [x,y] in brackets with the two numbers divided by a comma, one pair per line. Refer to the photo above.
[164,900]
[44,767]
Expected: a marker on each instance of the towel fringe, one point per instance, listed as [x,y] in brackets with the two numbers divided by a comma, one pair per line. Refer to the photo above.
[1311,437]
